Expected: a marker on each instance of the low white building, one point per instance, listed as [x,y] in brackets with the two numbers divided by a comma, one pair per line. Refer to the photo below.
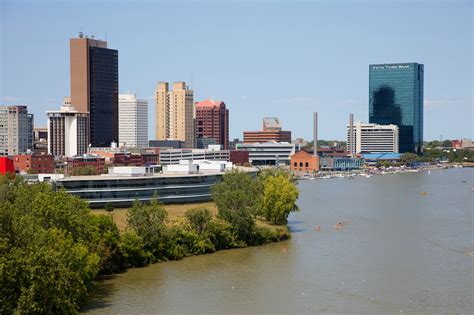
[173,156]
[268,153]
[372,138]
[133,121]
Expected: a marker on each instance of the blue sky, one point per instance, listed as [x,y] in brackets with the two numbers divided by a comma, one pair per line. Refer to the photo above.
[263,58]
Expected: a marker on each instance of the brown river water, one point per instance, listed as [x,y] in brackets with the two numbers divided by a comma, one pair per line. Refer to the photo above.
[408,248]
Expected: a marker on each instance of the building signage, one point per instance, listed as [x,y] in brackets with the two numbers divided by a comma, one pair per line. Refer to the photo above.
[385,67]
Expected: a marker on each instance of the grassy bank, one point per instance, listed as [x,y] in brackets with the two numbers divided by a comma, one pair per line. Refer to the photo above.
[176,211]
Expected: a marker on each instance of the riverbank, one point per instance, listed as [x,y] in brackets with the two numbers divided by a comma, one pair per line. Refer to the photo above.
[177,211]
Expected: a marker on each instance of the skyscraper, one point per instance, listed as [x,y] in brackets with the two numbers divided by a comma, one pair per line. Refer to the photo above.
[133,121]
[175,113]
[94,87]
[68,131]
[396,97]
[14,129]
[212,123]
[31,127]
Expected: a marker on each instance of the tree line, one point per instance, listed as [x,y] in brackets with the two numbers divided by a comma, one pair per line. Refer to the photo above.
[52,247]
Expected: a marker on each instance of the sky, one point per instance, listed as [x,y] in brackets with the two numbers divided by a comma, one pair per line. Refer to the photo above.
[282,59]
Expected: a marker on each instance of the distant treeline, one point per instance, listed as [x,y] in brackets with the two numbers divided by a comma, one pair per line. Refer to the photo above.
[52,247]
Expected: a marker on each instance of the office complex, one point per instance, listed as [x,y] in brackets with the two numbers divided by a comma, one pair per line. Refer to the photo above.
[175,113]
[68,131]
[94,87]
[15,128]
[124,186]
[212,124]
[271,131]
[173,156]
[372,138]
[133,121]
[268,153]
[396,97]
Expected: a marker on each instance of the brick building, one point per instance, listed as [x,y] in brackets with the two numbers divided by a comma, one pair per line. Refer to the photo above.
[36,164]
[304,162]
[271,131]
[81,161]
[239,157]
[212,124]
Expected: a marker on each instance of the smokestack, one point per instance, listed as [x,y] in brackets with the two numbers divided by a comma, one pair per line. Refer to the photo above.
[351,134]
[315,134]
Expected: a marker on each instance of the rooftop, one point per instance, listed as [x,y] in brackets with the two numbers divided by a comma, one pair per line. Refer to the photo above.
[209,103]
[271,123]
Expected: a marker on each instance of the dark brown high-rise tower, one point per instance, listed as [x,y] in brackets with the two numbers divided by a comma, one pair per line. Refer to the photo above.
[94,87]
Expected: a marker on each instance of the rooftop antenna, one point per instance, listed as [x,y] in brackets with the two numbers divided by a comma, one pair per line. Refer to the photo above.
[192,81]
[105,36]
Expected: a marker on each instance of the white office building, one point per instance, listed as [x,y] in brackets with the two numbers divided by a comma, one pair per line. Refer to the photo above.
[68,132]
[268,153]
[174,156]
[373,138]
[133,121]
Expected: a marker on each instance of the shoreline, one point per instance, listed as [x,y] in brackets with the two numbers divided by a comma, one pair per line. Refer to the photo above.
[352,174]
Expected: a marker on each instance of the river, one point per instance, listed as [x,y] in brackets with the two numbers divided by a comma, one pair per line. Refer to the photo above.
[408,248]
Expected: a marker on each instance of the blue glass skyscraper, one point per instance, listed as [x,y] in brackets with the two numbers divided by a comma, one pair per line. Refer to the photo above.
[396,97]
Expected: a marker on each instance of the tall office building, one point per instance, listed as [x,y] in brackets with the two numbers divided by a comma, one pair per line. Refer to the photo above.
[175,113]
[31,133]
[68,131]
[212,123]
[14,129]
[133,121]
[372,138]
[94,87]
[396,97]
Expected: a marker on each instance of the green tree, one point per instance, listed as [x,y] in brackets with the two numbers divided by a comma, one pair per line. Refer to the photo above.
[279,198]
[409,158]
[83,170]
[199,218]
[107,244]
[148,221]
[47,256]
[237,199]
[133,250]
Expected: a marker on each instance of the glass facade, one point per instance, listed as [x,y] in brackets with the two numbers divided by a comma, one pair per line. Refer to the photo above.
[103,75]
[121,192]
[396,97]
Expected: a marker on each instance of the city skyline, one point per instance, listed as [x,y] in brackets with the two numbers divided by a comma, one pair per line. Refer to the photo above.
[258,61]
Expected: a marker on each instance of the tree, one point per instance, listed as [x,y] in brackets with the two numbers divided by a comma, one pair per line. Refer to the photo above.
[409,158]
[199,218]
[279,199]
[83,170]
[107,244]
[47,255]
[236,197]
[148,221]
